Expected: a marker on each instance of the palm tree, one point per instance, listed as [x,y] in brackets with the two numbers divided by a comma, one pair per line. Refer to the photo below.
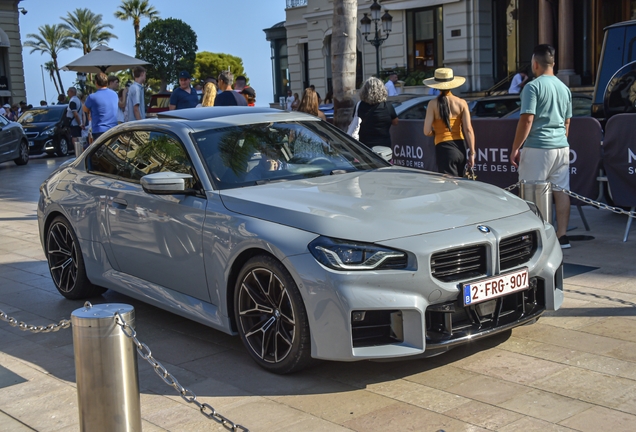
[51,40]
[135,10]
[49,66]
[87,29]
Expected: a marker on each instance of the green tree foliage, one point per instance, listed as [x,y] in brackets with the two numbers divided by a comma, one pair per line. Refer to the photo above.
[87,29]
[209,64]
[169,45]
[49,67]
[135,10]
[51,40]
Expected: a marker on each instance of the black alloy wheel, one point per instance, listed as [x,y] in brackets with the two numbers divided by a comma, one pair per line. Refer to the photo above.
[66,263]
[23,157]
[271,316]
[61,146]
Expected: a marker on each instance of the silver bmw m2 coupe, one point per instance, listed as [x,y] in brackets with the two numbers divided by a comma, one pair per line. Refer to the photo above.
[280,228]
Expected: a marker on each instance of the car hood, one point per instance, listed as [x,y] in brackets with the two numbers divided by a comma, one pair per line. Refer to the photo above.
[36,127]
[375,205]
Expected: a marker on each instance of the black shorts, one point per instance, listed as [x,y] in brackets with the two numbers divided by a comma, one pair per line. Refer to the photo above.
[76,131]
[451,157]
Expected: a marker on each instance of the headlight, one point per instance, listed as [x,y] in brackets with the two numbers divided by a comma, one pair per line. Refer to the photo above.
[48,132]
[535,209]
[346,255]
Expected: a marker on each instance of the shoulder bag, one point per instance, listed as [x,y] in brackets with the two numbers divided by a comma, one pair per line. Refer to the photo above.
[354,127]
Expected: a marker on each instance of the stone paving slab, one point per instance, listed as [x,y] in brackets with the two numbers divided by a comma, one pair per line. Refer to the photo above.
[574,370]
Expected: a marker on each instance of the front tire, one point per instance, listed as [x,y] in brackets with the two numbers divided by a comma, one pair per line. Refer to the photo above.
[271,317]
[66,263]
[61,146]
[23,157]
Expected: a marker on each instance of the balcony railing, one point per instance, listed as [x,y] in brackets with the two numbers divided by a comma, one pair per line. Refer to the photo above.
[296,3]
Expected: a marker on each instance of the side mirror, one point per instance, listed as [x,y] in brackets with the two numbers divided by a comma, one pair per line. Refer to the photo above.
[165,183]
[384,152]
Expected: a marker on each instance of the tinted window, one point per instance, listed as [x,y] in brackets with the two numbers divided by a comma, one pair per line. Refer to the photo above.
[3,120]
[36,115]
[110,158]
[417,112]
[581,106]
[254,154]
[132,155]
[495,108]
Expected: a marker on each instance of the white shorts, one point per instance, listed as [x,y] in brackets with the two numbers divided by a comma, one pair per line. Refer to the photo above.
[552,165]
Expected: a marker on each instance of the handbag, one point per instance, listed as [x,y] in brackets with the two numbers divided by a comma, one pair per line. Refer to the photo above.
[354,127]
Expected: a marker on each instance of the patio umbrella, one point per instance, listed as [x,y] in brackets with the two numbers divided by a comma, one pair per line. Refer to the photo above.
[103,59]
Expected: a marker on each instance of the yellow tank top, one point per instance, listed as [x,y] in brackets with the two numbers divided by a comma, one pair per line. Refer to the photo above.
[443,134]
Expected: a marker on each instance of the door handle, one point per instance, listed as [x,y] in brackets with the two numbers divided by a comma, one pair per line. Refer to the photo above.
[120,203]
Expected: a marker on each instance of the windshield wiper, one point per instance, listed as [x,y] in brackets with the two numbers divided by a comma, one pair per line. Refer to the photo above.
[340,171]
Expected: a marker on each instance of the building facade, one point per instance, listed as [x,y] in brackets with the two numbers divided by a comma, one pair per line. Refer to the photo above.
[12,87]
[487,41]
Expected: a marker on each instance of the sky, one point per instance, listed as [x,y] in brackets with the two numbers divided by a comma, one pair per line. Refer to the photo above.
[232,27]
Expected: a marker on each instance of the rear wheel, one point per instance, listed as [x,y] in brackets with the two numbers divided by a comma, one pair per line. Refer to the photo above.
[23,157]
[61,146]
[66,263]
[271,317]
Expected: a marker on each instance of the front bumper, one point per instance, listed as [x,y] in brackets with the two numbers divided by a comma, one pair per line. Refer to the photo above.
[40,145]
[412,306]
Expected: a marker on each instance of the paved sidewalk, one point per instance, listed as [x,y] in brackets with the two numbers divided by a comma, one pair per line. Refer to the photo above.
[573,370]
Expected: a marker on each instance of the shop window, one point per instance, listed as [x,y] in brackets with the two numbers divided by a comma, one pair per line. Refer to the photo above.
[424,41]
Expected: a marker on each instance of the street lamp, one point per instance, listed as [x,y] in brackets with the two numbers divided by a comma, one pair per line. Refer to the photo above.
[81,79]
[378,39]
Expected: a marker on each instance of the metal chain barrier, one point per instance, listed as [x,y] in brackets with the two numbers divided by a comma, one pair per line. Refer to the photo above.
[589,201]
[186,394]
[63,324]
[616,210]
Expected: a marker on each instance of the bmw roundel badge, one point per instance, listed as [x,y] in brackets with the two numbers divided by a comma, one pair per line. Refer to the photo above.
[483,228]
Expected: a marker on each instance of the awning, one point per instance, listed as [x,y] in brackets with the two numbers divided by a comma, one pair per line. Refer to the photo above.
[413,4]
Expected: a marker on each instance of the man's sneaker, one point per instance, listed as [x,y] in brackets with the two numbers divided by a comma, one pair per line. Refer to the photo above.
[564,242]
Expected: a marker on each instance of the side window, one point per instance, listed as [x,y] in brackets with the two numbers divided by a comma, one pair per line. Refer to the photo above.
[153,152]
[417,112]
[3,121]
[110,158]
[631,55]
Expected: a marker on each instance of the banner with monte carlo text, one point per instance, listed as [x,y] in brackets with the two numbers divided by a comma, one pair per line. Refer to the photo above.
[619,158]
[493,139]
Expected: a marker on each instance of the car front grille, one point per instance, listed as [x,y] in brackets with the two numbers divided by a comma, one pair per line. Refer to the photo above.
[452,321]
[517,250]
[32,135]
[459,264]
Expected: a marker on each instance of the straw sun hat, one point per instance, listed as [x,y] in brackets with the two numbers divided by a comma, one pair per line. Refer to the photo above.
[444,80]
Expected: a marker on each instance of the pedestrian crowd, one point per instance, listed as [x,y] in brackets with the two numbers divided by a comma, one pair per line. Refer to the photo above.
[89,116]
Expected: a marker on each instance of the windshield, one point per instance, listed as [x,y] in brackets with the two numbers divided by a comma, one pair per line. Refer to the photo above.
[36,115]
[261,153]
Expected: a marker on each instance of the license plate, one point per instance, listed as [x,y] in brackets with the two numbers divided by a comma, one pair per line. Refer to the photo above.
[31,143]
[497,286]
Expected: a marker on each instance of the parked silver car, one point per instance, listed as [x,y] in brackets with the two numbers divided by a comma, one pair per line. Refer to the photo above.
[280,228]
[13,142]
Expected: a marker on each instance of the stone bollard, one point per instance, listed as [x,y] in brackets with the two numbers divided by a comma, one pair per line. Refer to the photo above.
[106,370]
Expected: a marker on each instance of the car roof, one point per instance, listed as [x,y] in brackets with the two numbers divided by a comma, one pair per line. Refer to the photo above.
[403,106]
[500,97]
[232,116]
[621,24]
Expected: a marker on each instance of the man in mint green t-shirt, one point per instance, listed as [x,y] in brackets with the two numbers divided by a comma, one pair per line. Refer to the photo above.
[546,108]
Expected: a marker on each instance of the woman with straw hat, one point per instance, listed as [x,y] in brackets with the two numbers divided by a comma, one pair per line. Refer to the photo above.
[448,120]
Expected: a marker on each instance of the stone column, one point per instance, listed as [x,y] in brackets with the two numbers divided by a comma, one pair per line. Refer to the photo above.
[565,50]
[546,28]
